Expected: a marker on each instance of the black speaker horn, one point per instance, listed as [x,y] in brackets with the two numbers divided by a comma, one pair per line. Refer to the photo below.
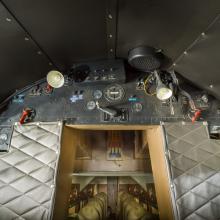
[144,58]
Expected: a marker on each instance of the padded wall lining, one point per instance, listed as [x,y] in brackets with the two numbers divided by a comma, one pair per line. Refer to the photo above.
[195,164]
[28,172]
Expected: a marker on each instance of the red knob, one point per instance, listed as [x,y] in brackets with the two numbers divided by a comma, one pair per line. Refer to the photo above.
[196,115]
[23,116]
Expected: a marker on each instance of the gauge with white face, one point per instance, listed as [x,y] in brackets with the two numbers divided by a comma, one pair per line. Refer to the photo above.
[97,94]
[3,138]
[114,93]
[137,107]
[91,105]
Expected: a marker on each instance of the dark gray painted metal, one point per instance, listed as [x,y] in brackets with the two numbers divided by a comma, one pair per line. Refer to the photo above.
[170,25]
[72,31]
[59,106]
[200,62]
[111,25]
[173,26]
[20,63]
[69,31]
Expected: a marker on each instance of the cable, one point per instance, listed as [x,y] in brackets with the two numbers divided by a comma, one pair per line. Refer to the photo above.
[191,102]
[146,85]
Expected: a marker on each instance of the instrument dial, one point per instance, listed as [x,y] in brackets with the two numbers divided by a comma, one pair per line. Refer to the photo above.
[3,138]
[114,93]
[91,105]
[97,94]
[137,107]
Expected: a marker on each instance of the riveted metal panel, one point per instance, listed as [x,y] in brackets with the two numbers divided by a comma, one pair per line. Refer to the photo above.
[170,25]
[69,31]
[199,62]
[21,60]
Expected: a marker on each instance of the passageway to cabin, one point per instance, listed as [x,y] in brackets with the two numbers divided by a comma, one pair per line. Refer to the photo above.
[113,164]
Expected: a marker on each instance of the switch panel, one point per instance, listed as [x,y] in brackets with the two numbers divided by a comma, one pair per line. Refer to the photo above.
[100,72]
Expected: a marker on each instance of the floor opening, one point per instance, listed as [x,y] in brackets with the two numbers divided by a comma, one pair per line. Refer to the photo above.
[112,176]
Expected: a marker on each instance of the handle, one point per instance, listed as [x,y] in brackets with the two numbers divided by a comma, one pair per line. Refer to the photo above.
[108,111]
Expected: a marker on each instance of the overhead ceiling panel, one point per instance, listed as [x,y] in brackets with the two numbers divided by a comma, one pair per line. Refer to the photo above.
[171,25]
[21,60]
[200,62]
[68,30]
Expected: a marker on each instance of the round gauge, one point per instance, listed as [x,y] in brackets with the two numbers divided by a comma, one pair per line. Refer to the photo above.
[137,107]
[97,94]
[91,105]
[114,93]
[3,138]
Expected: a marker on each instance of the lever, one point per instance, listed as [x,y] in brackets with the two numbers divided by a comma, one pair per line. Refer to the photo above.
[171,107]
[108,111]
[28,115]
[196,115]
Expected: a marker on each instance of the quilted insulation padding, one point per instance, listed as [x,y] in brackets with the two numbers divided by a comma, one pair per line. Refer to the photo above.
[194,161]
[28,172]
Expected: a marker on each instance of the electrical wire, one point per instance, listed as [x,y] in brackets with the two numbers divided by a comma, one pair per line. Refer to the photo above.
[146,85]
[191,102]
[183,92]
[193,113]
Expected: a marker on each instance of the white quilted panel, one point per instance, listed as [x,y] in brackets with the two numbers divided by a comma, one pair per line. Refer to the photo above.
[28,172]
[195,171]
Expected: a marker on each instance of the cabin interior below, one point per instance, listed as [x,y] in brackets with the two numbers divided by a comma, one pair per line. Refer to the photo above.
[120,170]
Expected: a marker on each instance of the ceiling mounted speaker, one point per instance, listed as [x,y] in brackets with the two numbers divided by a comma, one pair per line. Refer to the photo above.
[144,58]
[55,79]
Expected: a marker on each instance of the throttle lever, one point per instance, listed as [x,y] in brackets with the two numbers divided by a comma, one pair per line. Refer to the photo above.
[108,111]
